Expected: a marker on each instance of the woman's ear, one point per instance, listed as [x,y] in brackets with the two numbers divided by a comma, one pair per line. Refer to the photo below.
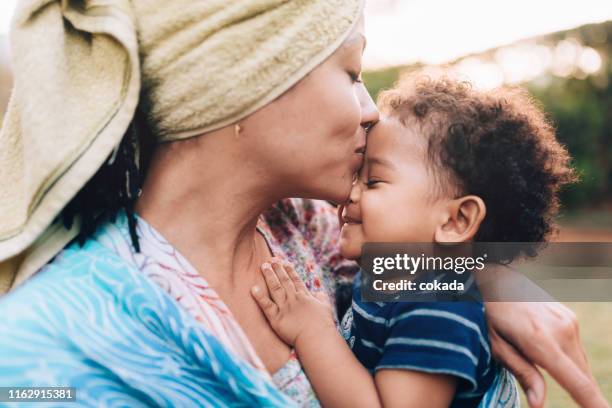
[462,220]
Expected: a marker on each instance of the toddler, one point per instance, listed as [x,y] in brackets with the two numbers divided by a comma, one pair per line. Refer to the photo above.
[446,164]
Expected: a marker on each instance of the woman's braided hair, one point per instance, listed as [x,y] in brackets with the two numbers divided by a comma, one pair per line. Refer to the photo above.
[115,186]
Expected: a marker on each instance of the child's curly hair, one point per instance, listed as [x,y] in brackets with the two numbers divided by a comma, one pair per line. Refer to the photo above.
[496,144]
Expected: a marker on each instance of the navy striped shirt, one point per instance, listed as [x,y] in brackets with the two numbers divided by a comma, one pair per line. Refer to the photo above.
[433,337]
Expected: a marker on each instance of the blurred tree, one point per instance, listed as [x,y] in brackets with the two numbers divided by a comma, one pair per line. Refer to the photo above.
[582,113]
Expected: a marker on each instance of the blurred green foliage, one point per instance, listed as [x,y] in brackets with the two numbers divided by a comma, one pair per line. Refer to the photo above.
[582,113]
[580,108]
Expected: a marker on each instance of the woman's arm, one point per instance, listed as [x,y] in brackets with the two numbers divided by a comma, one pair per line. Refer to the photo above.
[304,320]
[545,334]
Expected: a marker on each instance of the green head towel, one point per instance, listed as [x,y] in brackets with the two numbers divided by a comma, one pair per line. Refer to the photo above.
[80,68]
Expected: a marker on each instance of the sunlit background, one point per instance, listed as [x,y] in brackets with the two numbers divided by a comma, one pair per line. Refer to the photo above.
[560,50]
[439,31]
[514,34]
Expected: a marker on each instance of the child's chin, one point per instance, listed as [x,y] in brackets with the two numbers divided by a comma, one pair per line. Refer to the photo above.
[350,250]
[351,239]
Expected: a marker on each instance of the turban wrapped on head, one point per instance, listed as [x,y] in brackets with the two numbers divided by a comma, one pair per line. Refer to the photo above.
[81,67]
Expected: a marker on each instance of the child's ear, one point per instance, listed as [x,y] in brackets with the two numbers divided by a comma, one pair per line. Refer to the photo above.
[462,219]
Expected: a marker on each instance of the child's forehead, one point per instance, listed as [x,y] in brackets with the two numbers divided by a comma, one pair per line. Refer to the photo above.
[391,137]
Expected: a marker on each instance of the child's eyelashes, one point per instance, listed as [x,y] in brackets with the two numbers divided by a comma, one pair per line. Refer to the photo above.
[371,182]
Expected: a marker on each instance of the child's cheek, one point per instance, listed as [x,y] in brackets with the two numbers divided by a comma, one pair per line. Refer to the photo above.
[376,214]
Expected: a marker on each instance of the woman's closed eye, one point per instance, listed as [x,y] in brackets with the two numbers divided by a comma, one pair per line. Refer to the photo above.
[355,77]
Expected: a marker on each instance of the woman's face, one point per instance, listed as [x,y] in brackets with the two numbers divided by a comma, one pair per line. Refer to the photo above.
[313,137]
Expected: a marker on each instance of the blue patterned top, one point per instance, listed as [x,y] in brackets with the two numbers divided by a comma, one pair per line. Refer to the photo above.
[91,321]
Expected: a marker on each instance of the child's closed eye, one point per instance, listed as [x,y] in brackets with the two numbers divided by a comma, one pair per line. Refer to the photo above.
[372,182]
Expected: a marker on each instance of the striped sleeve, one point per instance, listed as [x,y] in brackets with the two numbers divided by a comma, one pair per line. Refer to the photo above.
[439,337]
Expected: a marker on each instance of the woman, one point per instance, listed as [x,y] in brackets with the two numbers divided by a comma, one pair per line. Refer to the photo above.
[242,105]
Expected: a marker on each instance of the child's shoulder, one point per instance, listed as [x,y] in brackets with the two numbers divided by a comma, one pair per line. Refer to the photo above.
[440,337]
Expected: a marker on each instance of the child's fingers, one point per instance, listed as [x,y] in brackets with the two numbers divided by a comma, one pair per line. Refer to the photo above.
[295,278]
[277,291]
[268,307]
[281,273]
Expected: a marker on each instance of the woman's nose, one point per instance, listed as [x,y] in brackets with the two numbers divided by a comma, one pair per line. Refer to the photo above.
[355,192]
[369,112]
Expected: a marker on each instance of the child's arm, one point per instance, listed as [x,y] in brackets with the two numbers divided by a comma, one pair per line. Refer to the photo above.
[304,320]
[407,388]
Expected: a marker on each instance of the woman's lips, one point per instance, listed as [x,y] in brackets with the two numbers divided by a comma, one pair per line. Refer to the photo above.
[347,219]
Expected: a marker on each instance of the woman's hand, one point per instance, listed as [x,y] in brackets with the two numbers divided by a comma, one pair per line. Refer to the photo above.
[545,334]
[293,311]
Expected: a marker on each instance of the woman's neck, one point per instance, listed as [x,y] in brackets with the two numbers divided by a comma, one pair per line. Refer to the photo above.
[204,197]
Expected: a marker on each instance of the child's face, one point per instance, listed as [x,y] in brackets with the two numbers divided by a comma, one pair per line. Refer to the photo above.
[394,198]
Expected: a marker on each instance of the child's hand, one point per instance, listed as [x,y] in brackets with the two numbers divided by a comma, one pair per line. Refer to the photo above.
[290,308]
